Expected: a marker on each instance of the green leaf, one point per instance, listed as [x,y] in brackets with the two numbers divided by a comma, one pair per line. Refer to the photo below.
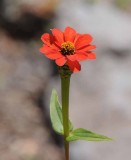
[56,114]
[83,134]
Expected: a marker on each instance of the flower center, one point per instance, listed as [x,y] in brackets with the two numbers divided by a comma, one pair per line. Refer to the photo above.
[67,48]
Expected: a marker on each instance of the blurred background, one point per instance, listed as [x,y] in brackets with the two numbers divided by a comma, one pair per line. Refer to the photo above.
[100,97]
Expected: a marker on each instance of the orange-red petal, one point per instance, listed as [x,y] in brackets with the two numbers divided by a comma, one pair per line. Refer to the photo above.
[47,39]
[76,37]
[83,40]
[87,48]
[91,55]
[81,57]
[61,61]
[46,49]
[58,36]
[69,34]
[72,57]
[53,56]
[74,65]
[50,53]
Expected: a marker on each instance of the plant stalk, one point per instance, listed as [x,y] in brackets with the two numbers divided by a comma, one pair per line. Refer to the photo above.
[65,84]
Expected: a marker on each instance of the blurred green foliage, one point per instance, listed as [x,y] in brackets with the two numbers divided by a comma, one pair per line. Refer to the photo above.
[92,1]
[123,4]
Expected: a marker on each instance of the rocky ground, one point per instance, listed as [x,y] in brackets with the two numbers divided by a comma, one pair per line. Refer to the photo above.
[101,92]
[25,129]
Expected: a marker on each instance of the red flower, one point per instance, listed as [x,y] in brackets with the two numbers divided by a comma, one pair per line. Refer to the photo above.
[68,47]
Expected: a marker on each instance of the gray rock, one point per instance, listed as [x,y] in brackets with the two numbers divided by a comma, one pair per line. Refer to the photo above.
[109,26]
[100,93]
[24,73]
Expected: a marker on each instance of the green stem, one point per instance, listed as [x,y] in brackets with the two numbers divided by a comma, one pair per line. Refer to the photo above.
[65,84]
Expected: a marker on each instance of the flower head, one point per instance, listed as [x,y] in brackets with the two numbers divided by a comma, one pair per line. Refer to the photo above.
[68,47]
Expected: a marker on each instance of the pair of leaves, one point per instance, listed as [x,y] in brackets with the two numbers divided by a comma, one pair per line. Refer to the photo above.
[77,134]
